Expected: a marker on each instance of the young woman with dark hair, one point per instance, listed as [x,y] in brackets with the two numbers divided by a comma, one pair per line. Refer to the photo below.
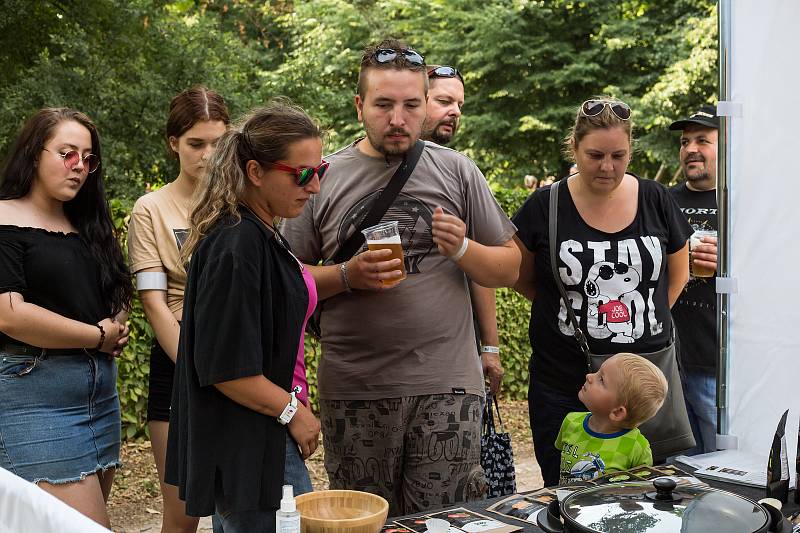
[159,225]
[239,429]
[64,293]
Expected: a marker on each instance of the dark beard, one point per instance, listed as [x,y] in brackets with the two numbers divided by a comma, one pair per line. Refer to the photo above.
[442,139]
[696,177]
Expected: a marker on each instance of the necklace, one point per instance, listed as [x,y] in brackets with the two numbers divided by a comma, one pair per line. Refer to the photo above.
[278,237]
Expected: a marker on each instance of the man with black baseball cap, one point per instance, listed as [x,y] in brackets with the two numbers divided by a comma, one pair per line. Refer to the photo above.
[695,312]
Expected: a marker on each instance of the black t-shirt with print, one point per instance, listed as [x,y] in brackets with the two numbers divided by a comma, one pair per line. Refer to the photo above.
[695,312]
[617,282]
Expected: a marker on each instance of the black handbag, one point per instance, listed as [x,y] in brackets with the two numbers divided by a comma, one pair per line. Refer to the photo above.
[669,431]
[497,457]
[379,207]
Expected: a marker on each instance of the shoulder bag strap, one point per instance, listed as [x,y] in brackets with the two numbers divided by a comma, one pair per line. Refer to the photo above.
[381,204]
[552,238]
[488,416]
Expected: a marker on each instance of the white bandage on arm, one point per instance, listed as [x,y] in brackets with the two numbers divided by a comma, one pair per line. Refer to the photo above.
[147,281]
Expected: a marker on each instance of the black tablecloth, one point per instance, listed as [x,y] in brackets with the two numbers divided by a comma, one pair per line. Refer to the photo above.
[480,506]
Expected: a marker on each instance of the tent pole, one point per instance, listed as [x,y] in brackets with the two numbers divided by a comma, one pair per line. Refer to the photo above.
[723,206]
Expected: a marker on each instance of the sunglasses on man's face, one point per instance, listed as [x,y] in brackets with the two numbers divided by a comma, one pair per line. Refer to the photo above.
[592,108]
[72,157]
[445,72]
[385,55]
[302,175]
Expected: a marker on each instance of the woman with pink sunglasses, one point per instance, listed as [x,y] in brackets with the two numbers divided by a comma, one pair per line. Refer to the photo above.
[65,291]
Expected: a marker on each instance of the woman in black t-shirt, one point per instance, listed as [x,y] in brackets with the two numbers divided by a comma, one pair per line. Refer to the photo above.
[623,260]
[64,293]
[237,432]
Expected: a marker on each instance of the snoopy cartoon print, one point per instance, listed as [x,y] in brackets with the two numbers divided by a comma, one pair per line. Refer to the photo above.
[605,287]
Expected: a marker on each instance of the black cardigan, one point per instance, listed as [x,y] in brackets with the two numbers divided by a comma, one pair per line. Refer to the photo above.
[244,306]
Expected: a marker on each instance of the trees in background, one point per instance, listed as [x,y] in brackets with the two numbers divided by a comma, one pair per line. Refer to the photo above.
[527,65]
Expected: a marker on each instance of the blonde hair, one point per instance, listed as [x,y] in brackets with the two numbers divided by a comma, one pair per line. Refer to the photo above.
[643,388]
[264,136]
[584,125]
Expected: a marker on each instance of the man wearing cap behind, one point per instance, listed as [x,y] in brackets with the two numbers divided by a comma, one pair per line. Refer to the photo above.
[445,99]
[399,383]
[695,312]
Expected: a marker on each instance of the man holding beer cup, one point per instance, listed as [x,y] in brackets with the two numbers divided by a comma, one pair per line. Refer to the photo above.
[399,383]
[695,312]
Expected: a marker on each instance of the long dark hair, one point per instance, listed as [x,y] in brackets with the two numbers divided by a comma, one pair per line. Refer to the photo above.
[88,211]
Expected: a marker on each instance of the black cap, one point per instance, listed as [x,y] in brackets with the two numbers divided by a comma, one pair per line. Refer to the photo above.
[706,116]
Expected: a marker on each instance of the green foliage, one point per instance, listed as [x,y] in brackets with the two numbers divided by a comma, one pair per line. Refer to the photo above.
[513,315]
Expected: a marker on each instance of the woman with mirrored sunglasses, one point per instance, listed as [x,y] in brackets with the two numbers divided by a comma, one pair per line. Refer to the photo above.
[65,292]
[159,224]
[622,257]
[240,425]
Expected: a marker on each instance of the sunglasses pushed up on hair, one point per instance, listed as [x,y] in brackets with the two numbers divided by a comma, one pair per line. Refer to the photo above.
[385,55]
[592,108]
[445,71]
[72,157]
[302,175]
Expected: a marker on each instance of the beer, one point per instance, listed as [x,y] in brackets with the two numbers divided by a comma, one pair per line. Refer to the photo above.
[694,270]
[393,244]
[386,236]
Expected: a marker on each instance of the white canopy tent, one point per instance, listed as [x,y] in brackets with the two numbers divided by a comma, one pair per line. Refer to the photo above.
[759,194]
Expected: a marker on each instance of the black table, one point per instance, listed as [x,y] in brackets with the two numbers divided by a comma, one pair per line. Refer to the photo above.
[527,527]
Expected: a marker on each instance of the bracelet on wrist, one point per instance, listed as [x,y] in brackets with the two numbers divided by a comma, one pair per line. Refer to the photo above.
[490,349]
[461,251]
[343,275]
[102,337]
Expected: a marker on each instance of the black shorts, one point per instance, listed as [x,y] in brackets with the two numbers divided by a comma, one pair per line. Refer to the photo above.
[162,371]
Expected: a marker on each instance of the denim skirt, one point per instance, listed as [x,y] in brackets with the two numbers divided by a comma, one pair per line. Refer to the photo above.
[59,416]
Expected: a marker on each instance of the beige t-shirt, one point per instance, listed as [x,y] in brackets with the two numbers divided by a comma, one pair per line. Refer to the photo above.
[417,338]
[158,228]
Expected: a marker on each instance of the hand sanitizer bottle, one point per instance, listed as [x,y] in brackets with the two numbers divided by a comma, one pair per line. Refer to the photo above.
[287,518]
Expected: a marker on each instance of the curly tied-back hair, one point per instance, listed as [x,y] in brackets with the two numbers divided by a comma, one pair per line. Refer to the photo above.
[264,136]
[88,211]
[584,125]
[368,61]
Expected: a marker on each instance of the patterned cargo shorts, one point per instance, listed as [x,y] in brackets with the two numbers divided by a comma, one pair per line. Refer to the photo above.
[418,452]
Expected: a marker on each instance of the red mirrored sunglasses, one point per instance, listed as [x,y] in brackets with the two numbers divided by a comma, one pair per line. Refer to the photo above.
[302,175]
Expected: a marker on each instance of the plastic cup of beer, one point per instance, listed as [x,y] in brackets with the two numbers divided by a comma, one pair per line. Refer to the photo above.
[386,236]
[695,270]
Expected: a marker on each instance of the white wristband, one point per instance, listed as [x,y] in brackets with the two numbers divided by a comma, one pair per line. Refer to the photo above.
[490,349]
[146,281]
[461,251]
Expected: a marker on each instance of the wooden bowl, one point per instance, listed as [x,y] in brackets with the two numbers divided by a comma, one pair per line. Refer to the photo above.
[341,511]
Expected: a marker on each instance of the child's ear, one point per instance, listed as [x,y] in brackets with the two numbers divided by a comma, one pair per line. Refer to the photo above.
[618,414]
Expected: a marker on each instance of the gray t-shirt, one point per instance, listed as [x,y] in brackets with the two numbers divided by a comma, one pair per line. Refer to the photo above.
[418,337]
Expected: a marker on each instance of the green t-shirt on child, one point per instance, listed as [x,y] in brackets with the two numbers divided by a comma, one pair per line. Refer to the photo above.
[586,454]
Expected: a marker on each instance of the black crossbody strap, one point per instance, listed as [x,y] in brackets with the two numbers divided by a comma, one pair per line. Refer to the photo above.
[553,238]
[381,204]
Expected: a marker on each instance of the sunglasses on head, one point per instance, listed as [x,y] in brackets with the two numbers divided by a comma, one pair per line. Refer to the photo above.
[72,157]
[302,175]
[445,71]
[385,55]
[592,108]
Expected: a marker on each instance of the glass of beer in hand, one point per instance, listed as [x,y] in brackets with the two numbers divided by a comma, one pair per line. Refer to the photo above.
[386,236]
[695,270]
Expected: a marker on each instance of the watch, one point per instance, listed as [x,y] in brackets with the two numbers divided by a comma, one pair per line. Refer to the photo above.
[291,408]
